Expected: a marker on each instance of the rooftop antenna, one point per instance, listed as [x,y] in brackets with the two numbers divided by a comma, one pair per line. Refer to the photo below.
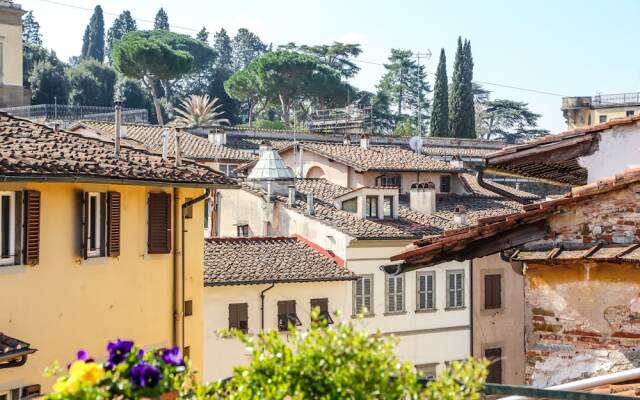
[426,55]
[178,136]
[118,127]
[165,144]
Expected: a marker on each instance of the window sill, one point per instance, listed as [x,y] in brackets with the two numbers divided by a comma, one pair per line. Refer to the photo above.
[426,311]
[491,311]
[363,316]
[394,313]
[455,308]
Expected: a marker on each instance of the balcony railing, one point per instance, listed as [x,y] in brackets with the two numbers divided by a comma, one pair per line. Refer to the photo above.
[70,113]
[601,100]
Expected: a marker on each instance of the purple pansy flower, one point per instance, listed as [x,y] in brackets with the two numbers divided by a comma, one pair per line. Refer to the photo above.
[118,352]
[83,355]
[172,356]
[144,375]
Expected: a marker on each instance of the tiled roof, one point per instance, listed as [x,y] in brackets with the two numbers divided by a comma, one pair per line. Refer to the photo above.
[13,349]
[448,151]
[470,183]
[410,225]
[375,158]
[593,253]
[31,150]
[441,248]
[150,136]
[378,158]
[554,157]
[245,261]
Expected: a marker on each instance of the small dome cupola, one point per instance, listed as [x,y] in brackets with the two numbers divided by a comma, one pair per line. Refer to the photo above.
[270,172]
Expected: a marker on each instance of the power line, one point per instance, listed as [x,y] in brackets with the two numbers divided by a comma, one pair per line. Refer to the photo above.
[185,28]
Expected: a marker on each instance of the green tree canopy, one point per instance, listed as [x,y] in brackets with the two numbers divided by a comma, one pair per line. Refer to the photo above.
[338,56]
[440,115]
[203,35]
[461,100]
[224,49]
[161,21]
[247,46]
[49,83]
[122,25]
[131,93]
[154,55]
[31,30]
[91,83]
[93,39]
[508,120]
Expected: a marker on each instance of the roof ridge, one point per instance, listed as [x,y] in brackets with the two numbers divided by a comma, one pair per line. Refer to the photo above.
[250,239]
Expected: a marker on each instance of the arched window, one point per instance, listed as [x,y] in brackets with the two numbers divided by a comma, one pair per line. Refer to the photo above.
[315,172]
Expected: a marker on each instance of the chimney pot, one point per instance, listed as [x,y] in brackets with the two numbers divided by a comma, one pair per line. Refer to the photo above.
[346,139]
[310,205]
[364,141]
[292,195]
[178,149]
[118,127]
[460,216]
[422,197]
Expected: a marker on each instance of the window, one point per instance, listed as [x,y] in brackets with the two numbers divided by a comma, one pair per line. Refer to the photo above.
[206,214]
[93,223]
[371,207]
[603,119]
[394,293]
[323,305]
[350,205]
[389,181]
[239,317]
[159,234]
[425,292]
[188,308]
[495,364]
[427,371]
[455,289]
[630,113]
[445,184]
[10,394]
[243,230]
[363,295]
[492,291]
[287,315]
[387,207]
[228,169]
[7,228]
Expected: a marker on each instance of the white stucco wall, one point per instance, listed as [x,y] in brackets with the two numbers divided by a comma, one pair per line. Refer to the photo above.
[619,149]
[11,45]
[222,353]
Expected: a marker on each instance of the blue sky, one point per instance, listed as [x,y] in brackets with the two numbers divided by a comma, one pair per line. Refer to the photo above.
[564,47]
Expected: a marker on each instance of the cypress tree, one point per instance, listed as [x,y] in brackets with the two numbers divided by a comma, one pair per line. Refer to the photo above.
[121,26]
[456,124]
[31,30]
[93,39]
[161,21]
[469,113]
[440,114]
[203,35]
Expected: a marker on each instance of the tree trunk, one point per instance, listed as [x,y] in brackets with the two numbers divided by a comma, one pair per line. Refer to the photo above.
[285,109]
[156,101]
[250,112]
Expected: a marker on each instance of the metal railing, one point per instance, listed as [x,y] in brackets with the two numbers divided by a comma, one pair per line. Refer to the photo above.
[70,113]
[601,100]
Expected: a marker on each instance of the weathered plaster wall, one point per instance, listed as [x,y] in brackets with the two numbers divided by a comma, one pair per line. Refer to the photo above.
[618,150]
[582,320]
[503,327]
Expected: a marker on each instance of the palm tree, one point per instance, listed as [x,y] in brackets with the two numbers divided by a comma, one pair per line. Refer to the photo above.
[199,111]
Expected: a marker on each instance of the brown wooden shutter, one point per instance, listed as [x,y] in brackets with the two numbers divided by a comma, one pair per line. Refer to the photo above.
[31,245]
[495,365]
[30,391]
[243,317]
[492,291]
[159,234]
[113,224]
[238,316]
[322,304]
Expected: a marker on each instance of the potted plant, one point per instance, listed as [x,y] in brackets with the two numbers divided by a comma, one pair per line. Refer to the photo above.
[128,373]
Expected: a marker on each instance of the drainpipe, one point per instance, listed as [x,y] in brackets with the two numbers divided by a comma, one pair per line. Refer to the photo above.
[176,297]
[494,189]
[472,295]
[262,305]
[183,231]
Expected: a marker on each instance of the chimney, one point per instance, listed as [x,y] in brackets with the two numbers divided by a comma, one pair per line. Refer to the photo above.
[217,137]
[310,206]
[457,162]
[364,141]
[346,139]
[56,127]
[118,126]
[178,149]
[422,197]
[292,195]
[265,145]
[165,144]
[460,216]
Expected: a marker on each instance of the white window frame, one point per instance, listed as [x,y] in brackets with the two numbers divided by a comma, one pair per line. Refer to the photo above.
[455,306]
[401,294]
[98,237]
[228,169]
[11,259]
[370,294]
[426,274]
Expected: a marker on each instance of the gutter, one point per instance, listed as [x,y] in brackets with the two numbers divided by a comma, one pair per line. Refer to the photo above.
[262,305]
[485,185]
[112,181]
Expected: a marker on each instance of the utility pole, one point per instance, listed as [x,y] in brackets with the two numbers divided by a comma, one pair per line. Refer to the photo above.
[426,55]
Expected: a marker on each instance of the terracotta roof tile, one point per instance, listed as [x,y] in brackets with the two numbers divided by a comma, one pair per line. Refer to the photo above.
[244,261]
[150,136]
[471,184]
[33,150]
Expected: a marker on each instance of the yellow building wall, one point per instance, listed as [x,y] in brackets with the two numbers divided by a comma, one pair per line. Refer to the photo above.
[66,303]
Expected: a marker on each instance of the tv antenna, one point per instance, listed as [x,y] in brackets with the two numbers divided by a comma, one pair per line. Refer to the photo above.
[426,55]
